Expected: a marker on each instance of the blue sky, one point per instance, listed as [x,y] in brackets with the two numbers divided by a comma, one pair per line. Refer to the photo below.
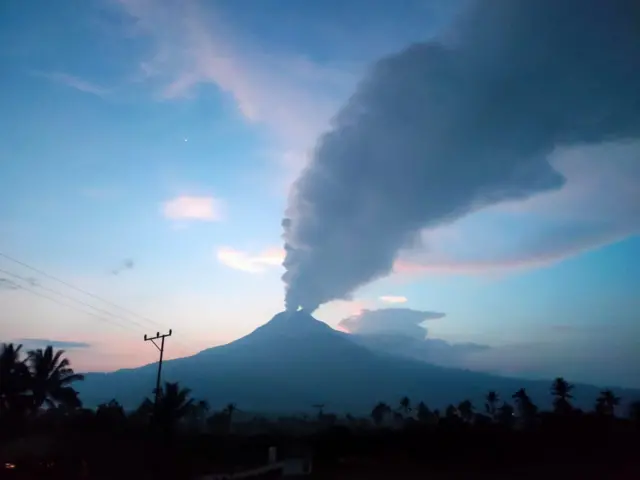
[169,133]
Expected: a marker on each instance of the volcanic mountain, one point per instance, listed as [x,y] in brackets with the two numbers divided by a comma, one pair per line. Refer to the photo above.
[295,361]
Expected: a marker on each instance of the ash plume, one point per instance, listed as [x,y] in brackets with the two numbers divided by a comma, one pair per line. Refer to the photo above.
[446,127]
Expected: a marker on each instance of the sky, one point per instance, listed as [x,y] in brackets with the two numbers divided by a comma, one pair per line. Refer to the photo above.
[150,150]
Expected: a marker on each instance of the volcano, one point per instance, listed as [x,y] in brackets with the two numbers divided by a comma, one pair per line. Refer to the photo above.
[295,361]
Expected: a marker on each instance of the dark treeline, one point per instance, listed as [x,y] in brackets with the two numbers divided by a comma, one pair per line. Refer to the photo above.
[44,430]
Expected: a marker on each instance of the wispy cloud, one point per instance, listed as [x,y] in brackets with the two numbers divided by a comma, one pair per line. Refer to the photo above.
[77,83]
[393,299]
[429,264]
[44,342]
[207,209]
[246,262]
[193,47]
[598,205]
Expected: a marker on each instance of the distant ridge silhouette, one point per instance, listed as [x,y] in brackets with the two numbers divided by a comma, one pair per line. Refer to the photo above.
[289,362]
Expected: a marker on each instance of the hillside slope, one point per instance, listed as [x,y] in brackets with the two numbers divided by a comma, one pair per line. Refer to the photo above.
[295,361]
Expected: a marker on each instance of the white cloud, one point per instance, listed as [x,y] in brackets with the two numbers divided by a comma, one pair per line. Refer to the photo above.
[206,209]
[246,262]
[393,299]
[403,321]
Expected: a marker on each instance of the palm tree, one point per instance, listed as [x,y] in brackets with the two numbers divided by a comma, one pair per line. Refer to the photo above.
[229,410]
[14,379]
[173,405]
[51,377]
[405,406]
[379,412]
[110,414]
[606,403]
[451,412]
[198,414]
[424,414]
[527,410]
[436,415]
[505,414]
[465,408]
[561,389]
[492,404]
[144,412]
[202,407]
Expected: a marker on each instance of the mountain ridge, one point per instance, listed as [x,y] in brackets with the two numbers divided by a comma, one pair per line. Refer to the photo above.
[295,361]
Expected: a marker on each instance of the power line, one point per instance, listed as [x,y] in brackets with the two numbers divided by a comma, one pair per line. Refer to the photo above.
[72,307]
[55,292]
[92,295]
[78,289]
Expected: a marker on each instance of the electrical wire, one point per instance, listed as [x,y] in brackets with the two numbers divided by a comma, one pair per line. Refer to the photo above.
[78,289]
[67,297]
[185,348]
[33,292]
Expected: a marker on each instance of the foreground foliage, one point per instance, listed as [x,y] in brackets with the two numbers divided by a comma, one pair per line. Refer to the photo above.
[42,419]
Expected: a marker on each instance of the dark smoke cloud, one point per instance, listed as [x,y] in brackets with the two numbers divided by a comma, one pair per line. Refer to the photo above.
[126,264]
[443,128]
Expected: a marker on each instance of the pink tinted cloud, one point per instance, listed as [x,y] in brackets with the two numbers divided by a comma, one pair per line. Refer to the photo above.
[206,208]
[392,299]
[525,261]
[598,205]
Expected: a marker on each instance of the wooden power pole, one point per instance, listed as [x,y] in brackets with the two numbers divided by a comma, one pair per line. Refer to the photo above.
[161,350]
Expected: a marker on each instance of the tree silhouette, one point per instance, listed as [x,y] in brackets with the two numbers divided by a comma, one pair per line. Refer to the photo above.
[111,409]
[505,415]
[379,412]
[405,406]
[561,390]
[51,377]
[423,413]
[198,414]
[491,406]
[144,412]
[38,380]
[229,410]
[527,411]
[465,408]
[110,414]
[606,403]
[202,408]
[174,404]
[14,380]
[451,412]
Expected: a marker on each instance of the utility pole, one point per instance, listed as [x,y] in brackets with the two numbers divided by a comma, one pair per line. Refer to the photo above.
[161,350]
